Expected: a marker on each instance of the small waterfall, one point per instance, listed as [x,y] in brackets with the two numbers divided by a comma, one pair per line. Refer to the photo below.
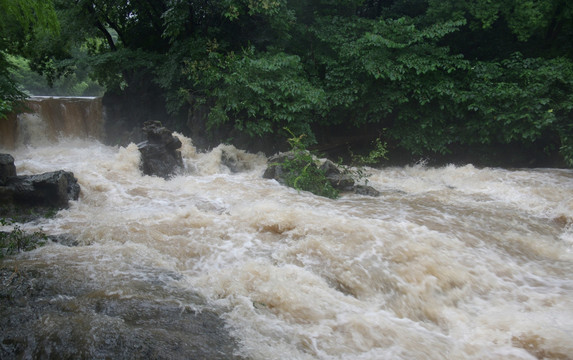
[8,128]
[49,118]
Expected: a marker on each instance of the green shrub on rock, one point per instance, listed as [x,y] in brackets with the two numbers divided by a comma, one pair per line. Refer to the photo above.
[300,170]
[17,240]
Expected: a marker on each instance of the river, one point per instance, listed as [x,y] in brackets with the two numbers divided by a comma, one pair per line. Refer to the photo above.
[455,262]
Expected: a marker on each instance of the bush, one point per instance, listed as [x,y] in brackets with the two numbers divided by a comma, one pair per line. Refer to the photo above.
[17,240]
[301,170]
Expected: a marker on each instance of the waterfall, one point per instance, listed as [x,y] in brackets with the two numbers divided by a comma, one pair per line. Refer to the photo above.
[47,119]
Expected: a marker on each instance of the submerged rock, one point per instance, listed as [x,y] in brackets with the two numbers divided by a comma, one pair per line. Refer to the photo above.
[365,190]
[235,160]
[159,154]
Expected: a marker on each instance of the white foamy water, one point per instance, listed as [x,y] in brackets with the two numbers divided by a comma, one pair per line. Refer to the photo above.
[448,263]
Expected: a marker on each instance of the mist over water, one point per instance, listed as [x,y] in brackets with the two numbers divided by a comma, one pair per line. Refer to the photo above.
[448,263]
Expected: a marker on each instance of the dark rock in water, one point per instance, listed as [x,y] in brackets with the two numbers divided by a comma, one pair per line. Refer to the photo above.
[275,170]
[159,154]
[235,161]
[27,197]
[64,239]
[7,167]
[365,190]
[53,189]
[337,179]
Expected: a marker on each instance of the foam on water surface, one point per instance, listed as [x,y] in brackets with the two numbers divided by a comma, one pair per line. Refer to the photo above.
[448,263]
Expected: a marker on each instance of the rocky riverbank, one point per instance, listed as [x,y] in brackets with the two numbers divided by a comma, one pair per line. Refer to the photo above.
[43,317]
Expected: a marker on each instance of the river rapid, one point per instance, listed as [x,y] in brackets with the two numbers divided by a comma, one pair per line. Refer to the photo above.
[454,262]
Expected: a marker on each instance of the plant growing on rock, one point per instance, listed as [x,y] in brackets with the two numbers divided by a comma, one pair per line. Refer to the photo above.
[301,171]
[17,240]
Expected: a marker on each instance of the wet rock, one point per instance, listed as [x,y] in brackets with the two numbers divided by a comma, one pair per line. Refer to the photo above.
[7,167]
[235,160]
[64,239]
[27,197]
[52,189]
[365,190]
[274,170]
[159,153]
[54,314]
[338,179]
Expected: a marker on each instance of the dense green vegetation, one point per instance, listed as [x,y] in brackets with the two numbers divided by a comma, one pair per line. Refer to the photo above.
[76,83]
[21,24]
[437,74]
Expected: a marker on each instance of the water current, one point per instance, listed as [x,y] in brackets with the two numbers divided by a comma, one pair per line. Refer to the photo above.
[455,262]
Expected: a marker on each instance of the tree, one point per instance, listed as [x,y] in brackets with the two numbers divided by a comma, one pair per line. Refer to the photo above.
[20,23]
[436,74]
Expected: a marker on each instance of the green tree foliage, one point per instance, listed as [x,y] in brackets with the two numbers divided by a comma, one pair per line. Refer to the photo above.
[436,74]
[20,23]
[260,92]
[76,83]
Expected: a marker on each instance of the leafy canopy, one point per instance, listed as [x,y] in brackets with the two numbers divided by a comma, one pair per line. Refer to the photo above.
[20,23]
[437,74]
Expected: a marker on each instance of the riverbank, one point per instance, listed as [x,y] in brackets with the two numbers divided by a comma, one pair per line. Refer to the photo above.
[42,316]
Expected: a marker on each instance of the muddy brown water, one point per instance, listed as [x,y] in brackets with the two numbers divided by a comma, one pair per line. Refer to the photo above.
[448,263]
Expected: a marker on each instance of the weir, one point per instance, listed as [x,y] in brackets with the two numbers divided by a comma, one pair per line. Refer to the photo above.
[45,119]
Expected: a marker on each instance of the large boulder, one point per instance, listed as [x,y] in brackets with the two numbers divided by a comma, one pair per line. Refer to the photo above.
[274,170]
[339,179]
[51,190]
[344,182]
[26,197]
[159,153]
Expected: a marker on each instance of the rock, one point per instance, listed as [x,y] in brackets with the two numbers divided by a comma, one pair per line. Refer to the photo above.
[52,190]
[337,179]
[365,190]
[63,314]
[7,167]
[275,170]
[27,197]
[64,239]
[235,160]
[159,154]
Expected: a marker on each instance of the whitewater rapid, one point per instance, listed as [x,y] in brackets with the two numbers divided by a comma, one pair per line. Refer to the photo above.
[454,262]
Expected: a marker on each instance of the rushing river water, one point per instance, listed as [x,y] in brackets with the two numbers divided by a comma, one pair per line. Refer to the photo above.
[448,263]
